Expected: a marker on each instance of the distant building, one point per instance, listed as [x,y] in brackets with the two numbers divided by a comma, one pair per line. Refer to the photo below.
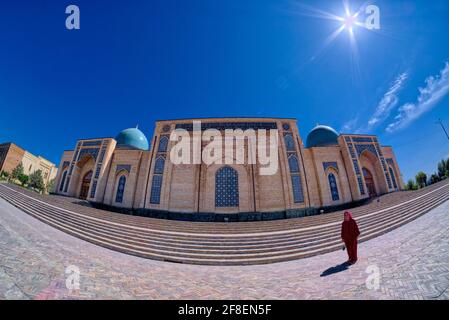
[11,155]
[330,169]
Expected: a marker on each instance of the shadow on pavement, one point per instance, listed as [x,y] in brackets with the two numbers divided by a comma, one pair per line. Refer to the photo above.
[338,268]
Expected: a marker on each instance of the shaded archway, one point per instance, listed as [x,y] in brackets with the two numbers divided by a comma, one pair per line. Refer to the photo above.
[372,170]
[82,167]
[85,185]
[369,182]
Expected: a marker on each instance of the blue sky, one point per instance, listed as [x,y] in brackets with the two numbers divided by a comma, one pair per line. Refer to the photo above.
[133,62]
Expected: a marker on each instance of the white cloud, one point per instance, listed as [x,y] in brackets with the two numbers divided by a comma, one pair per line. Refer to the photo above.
[349,126]
[388,102]
[436,88]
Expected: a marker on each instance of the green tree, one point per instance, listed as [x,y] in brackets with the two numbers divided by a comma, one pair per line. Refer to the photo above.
[23,178]
[442,168]
[411,185]
[4,174]
[36,181]
[421,179]
[434,178]
[17,172]
[51,186]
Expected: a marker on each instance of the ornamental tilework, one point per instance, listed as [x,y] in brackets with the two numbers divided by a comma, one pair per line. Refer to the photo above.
[226,188]
[333,187]
[88,151]
[229,125]
[362,147]
[297,189]
[125,167]
[156,186]
[327,165]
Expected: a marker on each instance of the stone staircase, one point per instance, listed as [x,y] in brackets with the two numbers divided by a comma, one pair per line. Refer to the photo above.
[217,243]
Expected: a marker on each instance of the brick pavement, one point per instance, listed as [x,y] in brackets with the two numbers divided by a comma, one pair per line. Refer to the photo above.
[413,262]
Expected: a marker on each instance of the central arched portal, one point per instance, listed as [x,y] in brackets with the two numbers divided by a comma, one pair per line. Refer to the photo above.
[85,185]
[369,181]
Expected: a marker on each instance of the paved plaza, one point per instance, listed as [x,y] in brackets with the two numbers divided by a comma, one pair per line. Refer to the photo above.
[411,262]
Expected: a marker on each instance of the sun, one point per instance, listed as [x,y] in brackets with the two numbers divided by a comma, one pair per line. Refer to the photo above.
[349,22]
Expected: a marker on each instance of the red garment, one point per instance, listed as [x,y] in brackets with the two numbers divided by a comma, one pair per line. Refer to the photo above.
[349,233]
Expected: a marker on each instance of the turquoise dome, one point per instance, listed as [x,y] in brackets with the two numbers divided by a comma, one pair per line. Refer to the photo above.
[322,136]
[132,138]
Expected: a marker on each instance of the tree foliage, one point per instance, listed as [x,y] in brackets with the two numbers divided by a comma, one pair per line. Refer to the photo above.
[36,180]
[23,178]
[17,172]
[421,179]
[411,185]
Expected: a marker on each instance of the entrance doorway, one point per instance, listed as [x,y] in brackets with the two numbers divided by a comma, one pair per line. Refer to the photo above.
[85,184]
[369,180]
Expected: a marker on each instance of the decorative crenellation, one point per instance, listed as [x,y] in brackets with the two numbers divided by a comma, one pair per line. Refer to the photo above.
[92,143]
[229,125]
[362,139]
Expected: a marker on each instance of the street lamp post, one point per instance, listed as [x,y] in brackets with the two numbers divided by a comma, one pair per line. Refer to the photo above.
[440,122]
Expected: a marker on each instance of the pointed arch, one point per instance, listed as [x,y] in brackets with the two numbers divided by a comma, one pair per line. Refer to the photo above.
[293,163]
[163,144]
[120,189]
[289,142]
[159,165]
[333,187]
[226,187]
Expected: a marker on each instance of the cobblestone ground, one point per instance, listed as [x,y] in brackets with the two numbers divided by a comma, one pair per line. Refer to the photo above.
[413,263]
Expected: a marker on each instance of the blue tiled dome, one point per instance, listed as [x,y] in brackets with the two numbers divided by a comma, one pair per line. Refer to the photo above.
[132,138]
[322,136]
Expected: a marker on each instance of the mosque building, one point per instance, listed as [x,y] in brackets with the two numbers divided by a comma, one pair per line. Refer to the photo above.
[126,173]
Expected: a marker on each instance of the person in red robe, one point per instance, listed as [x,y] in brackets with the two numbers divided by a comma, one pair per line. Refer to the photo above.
[349,234]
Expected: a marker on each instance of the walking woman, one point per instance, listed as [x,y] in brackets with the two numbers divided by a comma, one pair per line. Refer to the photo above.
[349,233]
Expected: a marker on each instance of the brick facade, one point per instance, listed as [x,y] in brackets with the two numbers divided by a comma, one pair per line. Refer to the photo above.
[305,178]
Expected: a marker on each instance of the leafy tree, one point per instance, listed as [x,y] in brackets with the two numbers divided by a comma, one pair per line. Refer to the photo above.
[4,175]
[36,180]
[51,186]
[421,179]
[23,178]
[411,185]
[442,168]
[434,178]
[17,172]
